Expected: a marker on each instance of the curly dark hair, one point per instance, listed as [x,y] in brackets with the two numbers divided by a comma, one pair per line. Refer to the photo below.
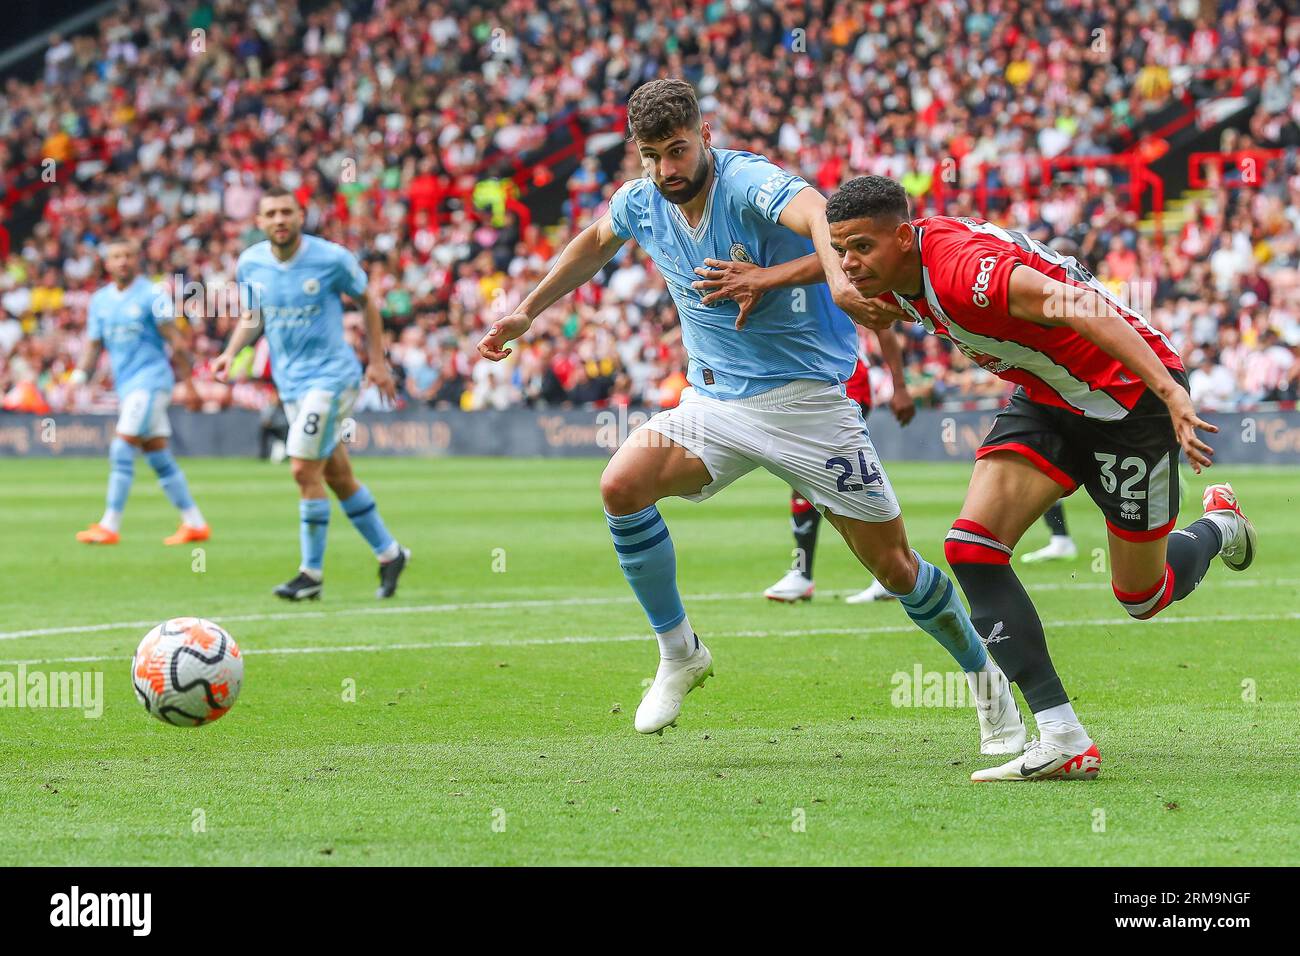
[867,197]
[660,108]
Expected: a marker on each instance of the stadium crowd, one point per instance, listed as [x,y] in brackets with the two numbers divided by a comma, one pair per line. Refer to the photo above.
[391,119]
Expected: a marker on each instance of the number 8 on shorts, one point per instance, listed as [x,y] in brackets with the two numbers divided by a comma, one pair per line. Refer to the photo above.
[314,421]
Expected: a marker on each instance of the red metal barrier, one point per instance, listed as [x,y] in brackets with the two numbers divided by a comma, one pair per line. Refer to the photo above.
[1240,76]
[1249,163]
[1040,177]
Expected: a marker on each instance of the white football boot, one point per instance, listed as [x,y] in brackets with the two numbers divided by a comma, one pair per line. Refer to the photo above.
[1059,548]
[1239,539]
[795,586]
[1002,729]
[876,592]
[673,681]
[1044,761]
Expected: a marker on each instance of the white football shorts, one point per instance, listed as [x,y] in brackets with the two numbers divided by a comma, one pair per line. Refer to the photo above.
[143,414]
[807,433]
[315,419]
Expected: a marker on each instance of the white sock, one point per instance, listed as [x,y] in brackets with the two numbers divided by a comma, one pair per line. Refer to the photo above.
[1225,521]
[112,520]
[312,573]
[390,552]
[677,644]
[193,517]
[1058,725]
[1062,539]
[987,684]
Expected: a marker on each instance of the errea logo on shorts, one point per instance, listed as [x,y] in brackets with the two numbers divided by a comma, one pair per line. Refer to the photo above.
[982,281]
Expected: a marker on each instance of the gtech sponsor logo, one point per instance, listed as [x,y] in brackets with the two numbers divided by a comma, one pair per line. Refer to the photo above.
[982,279]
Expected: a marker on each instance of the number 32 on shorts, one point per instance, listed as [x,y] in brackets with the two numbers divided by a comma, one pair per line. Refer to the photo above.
[867,473]
[1133,468]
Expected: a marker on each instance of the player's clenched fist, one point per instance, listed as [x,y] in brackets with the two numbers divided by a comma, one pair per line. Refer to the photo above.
[507,329]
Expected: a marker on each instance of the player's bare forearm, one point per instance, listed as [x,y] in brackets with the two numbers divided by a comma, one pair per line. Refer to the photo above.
[378,373]
[84,370]
[901,402]
[806,270]
[806,215]
[1114,336]
[579,261]
[89,358]
[180,347]
[246,331]
[374,329]
[891,349]
[1038,298]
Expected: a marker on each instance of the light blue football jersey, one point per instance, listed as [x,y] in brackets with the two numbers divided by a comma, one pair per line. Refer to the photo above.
[126,321]
[302,314]
[793,333]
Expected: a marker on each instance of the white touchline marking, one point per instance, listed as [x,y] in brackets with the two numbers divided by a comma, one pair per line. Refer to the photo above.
[633,638]
[539,603]
[365,609]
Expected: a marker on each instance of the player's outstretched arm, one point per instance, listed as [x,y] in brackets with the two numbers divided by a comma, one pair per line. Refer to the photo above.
[902,404]
[577,263]
[89,359]
[246,330]
[378,373]
[181,360]
[1035,297]
[806,215]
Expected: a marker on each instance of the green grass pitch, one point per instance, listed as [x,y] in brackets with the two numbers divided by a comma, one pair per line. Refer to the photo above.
[494,695]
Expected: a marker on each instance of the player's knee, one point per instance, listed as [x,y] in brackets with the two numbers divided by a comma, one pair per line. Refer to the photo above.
[305,473]
[622,491]
[896,570]
[1148,602]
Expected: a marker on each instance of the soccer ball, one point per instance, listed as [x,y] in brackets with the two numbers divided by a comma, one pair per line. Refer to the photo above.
[187,671]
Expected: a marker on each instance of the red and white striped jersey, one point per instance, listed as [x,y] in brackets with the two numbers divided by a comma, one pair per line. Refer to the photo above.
[966,269]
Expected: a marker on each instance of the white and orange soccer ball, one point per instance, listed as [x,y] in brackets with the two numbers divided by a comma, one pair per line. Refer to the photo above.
[187,672]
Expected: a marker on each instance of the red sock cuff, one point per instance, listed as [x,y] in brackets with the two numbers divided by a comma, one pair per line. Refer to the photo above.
[969,542]
[1150,602]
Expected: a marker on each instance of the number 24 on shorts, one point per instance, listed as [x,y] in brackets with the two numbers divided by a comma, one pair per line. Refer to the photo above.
[870,473]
